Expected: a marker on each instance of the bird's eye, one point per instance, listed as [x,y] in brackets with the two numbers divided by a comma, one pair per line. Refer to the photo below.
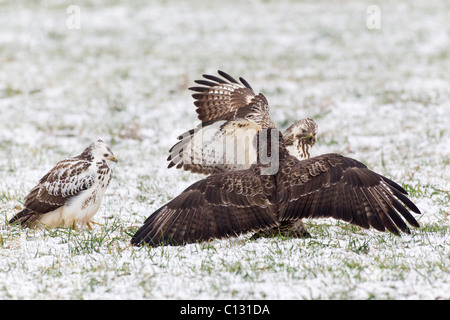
[105,155]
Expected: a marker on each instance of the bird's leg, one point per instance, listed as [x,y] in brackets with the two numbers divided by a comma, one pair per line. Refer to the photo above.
[93,222]
[294,229]
[289,229]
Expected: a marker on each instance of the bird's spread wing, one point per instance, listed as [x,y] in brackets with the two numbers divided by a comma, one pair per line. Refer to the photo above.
[228,99]
[331,185]
[222,205]
[231,115]
[219,147]
[66,180]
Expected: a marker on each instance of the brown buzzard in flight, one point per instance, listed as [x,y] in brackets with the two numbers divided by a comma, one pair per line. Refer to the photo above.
[71,192]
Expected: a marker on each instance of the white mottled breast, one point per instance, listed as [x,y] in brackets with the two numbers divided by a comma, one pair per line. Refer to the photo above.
[81,208]
[300,151]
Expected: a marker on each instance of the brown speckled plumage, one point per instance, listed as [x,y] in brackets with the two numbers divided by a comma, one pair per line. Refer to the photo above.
[233,203]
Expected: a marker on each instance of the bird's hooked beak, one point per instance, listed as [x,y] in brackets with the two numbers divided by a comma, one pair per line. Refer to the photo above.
[310,137]
[113,159]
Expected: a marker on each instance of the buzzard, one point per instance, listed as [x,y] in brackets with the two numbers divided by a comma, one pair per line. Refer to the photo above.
[231,114]
[229,204]
[71,192]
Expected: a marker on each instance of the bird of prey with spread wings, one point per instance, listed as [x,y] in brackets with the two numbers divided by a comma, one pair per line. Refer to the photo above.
[71,192]
[231,114]
[232,203]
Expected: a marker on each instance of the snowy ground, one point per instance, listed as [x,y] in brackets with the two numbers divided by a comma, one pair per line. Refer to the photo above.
[379,95]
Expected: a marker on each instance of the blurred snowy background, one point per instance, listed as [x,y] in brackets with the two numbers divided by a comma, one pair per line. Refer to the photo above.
[374,75]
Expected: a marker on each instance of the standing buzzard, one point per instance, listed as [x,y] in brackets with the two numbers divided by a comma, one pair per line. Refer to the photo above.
[231,203]
[71,192]
[231,114]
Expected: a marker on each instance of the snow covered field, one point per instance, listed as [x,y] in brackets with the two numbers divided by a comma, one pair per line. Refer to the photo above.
[379,93]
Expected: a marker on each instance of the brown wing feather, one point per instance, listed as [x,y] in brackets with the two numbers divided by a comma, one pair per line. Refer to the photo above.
[228,99]
[222,102]
[335,186]
[221,205]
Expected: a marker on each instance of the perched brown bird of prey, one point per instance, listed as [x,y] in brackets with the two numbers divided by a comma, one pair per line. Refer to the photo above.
[71,192]
[231,114]
[232,203]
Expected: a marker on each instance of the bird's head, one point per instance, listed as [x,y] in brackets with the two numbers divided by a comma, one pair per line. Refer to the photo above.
[300,136]
[99,151]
